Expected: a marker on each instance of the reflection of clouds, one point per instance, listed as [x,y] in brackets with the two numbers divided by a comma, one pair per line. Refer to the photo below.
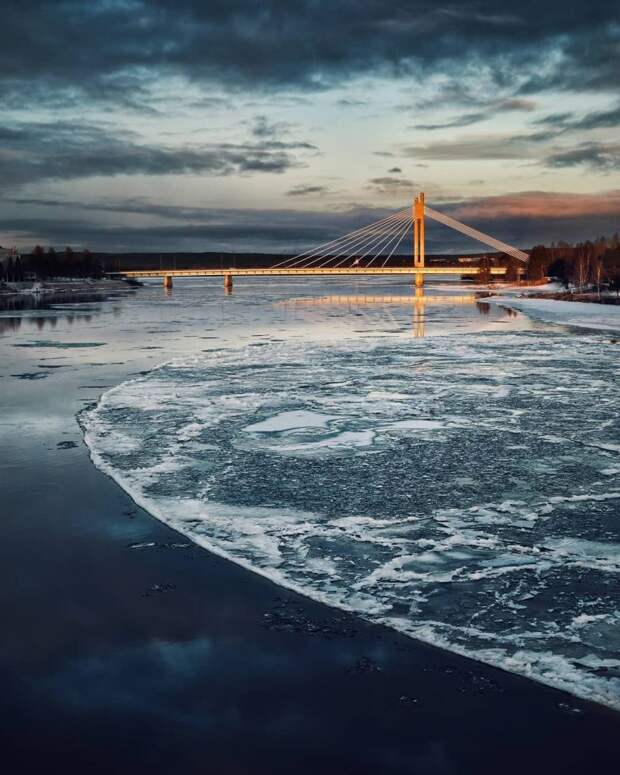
[158,675]
[138,677]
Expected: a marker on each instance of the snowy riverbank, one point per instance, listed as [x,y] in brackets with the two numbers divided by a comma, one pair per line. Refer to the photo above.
[581,314]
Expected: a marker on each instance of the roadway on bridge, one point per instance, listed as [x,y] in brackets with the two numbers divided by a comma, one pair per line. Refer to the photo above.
[280,272]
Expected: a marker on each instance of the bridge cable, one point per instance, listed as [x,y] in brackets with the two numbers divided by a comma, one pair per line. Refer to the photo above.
[388,241]
[352,244]
[405,230]
[325,245]
[368,245]
[349,243]
[475,234]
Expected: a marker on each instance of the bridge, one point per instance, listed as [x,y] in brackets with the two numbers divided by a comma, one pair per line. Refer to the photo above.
[364,251]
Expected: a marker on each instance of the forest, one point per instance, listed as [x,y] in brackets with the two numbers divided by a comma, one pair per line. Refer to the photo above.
[591,264]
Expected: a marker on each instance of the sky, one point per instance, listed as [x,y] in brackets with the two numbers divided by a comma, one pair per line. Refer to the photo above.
[238,125]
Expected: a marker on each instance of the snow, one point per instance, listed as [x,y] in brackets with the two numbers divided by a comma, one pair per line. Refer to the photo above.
[605,317]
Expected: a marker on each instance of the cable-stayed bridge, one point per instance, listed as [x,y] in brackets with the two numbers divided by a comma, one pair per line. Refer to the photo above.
[364,251]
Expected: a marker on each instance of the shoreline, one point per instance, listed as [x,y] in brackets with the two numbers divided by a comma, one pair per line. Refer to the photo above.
[159,655]
[580,314]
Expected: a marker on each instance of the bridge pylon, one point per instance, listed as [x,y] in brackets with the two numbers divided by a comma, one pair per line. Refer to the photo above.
[417,212]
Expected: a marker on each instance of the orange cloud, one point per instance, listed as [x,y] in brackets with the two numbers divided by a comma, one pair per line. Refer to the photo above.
[541,204]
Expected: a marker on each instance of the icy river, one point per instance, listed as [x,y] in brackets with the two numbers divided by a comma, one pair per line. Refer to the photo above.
[446,467]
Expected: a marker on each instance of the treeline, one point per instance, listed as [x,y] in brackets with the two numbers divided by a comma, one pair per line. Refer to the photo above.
[46,264]
[585,265]
[68,263]
[12,270]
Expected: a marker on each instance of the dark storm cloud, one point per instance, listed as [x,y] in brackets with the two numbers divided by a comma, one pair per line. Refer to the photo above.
[118,50]
[33,152]
[590,58]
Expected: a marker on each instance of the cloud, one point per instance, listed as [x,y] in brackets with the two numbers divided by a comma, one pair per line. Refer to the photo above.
[600,119]
[34,152]
[472,148]
[118,52]
[494,107]
[557,120]
[346,102]
[521,218]
[516,104]
[130,206]
[395,170]
[458,121]
[263,128]
[528,218]
[197,229]
[540,205]
[604,157]
[303,190]
[390,186]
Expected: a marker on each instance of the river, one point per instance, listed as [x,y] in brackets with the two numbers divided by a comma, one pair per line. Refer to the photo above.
[430,462]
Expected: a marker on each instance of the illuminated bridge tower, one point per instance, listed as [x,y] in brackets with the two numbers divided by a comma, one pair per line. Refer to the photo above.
[417,212]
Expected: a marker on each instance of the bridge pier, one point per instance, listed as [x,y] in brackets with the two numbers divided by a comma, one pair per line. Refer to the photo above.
[167,281]
[228,283]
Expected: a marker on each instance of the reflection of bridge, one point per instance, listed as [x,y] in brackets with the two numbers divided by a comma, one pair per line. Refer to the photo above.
[365,251]
[417,301]
[361,300]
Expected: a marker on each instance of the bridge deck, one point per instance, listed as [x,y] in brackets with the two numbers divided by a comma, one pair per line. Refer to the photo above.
[279,272]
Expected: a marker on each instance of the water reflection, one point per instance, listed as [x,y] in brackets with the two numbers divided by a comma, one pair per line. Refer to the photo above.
[14,324]
[49,310]
[419,300]
[36,301]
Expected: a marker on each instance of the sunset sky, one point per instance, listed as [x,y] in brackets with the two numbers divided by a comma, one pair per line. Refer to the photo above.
[243,125]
